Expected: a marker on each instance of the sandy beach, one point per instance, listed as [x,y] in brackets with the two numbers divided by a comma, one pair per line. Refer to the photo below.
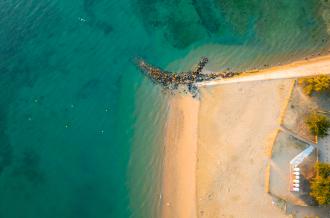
[179,173]
[236,123]
[216,148]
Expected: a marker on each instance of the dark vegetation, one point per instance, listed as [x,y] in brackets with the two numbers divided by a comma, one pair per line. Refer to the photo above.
[318,124]
[93,20]
[320,184]
[315,84]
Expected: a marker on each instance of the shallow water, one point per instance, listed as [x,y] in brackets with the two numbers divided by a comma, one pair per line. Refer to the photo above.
[80,128]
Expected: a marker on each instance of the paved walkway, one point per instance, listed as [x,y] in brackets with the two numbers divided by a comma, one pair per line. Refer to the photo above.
[324,147]
[303,212]
[284,129]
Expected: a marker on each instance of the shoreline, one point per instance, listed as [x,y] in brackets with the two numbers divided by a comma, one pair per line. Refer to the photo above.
[296,63]
[179,172]
[295,69]
[183,165]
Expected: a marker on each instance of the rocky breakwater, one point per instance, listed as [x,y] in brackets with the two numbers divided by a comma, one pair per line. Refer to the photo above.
[185,80]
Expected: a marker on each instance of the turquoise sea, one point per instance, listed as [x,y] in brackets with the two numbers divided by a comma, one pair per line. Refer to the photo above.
[81,128]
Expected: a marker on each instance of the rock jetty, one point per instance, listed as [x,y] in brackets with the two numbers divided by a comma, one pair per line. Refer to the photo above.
[173,81]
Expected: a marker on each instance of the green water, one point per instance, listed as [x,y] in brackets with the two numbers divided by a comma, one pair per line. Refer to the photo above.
[81,128]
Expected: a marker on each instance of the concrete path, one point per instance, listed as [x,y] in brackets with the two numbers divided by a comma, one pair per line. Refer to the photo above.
[324,147]
[303,211]
[294,70]
[284,129]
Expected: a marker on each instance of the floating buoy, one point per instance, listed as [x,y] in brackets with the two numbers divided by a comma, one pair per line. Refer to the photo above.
[81,19]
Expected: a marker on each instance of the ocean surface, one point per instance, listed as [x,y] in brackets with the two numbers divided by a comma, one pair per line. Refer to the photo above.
[81,128]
